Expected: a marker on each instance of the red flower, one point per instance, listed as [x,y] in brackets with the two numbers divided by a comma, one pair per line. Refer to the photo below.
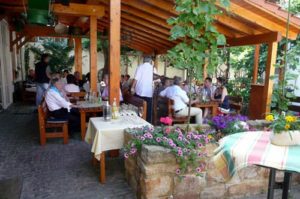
[166,120]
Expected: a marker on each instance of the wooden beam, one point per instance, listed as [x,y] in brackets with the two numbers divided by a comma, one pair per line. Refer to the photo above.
[93,53]
[147,40]
[255,39]
[256,64]
[76,9]
[256,18]
[270,71]
[78,55]
[18,38]
[156,62]
[114,50]
[27,38]
[138,47]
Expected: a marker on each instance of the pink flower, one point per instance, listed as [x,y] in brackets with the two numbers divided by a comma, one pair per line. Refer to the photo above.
[133,151]
[177,171]
[158,139]
[180,153]
[150,136]
[180,138]
[200,154]
[165,138]
[126,155]
[166,120]
[142,138]
[199,145]
[188,137]
[167,130]
[198,169]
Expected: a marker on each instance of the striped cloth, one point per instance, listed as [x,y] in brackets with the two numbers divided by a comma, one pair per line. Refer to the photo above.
[243,149]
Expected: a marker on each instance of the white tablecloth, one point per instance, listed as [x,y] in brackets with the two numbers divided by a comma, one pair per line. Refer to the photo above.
[109,135]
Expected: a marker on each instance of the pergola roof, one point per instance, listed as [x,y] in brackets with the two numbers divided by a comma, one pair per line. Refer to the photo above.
[144,26]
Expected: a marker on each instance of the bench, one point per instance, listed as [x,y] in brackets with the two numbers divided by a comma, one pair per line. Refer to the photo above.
[47,123]
[138,102]
[293,107]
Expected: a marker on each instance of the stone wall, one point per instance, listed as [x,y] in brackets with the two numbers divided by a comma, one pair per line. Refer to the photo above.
[152,175]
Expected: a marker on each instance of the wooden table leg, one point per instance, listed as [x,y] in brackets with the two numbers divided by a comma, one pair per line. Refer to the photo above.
[102,168]
[214,111]
[83,125]
[271,186]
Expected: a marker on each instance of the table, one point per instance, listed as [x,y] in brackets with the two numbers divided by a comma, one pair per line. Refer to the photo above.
[109,135]
[254,148]
[211,104]
[84,108]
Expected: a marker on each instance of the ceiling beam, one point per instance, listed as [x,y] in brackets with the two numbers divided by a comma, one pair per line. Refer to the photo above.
[255,18]
[255,39]
[138,47]
[76,9]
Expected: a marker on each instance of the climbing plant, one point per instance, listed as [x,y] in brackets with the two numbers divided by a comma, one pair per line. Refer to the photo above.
[199,39]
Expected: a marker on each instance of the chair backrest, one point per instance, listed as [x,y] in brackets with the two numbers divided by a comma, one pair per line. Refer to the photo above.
[78,96]
[236,103]
[138,102]
[295,107]
[42,114]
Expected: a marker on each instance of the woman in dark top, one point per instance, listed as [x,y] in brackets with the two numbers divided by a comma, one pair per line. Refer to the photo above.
[221,94]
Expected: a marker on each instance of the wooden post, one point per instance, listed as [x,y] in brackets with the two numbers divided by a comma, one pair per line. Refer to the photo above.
[93,52]
[270,70]
[256,64]
[114,49]
[156,62]
[78,55]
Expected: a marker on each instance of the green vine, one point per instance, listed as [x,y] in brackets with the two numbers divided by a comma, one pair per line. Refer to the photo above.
[199,37]
[26,59]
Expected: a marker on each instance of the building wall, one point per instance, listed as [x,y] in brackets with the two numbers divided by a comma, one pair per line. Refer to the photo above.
[6,67]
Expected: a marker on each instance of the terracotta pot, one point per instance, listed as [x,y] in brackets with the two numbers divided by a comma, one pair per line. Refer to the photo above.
[285,138]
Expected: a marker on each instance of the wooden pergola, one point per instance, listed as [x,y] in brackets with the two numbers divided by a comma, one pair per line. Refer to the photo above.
[141,25]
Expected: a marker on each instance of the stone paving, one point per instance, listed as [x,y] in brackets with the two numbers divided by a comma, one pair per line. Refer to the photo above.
[59,171]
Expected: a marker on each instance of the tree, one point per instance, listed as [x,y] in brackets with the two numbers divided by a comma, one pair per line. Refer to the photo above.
[199,38]
[59,51]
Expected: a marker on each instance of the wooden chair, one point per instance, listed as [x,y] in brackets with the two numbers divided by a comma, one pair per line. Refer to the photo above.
[138,102]
[171,114]
[46,124]
[295,108]
[236,103]
[76,96]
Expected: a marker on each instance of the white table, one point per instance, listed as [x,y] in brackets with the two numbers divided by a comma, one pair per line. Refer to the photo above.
[109,135]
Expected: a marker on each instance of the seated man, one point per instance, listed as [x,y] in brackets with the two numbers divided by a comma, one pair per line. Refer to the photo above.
[71,87]
[105,92]
[59,107]
[180,98]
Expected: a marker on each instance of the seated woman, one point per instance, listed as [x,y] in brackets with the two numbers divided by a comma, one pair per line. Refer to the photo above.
[221,94]
[105,92]
[71,87]
[180,98]
[59,107]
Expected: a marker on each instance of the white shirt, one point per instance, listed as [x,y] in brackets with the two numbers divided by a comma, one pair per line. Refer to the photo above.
[178,95]
[144,80]
[71,88]
[55,101]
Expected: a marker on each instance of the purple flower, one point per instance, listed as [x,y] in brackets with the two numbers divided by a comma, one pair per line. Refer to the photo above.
[199,145]
[158,139]
[126,155]
[178,171]
[150,136]
[180,153]
[198,169]
[133,151]
[200,154]
[142,138]
[180,138]
[188,137]
[165,138]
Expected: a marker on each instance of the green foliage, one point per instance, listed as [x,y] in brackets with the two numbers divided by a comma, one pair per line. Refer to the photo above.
[26,59]
[200,39]
[60,58]
[281,122]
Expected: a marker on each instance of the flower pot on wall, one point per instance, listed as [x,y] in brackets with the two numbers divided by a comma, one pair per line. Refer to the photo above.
[285,138]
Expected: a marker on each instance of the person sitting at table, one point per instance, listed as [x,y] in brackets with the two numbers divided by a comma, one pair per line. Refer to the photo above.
[105,92]
[180,98]
[221,95]
[71,87]
[59,107]
[208,89]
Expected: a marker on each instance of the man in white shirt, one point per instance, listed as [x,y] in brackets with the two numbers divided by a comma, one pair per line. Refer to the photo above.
[59,107]
[71,87]
[142,84]
[180,98]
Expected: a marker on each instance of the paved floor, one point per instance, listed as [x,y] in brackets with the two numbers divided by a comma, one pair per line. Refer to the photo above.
[55,171]
[59,171]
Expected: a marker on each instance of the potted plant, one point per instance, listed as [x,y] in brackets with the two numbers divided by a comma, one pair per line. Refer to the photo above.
[285,129]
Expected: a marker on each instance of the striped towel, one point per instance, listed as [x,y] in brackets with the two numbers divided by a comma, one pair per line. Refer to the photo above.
[243,149]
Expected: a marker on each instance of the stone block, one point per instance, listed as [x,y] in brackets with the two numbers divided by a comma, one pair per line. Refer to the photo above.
[210,148]
[151,154]
[213,175]
[249,172]
[189,186]
[156,187]
[127,137]
[156,169]
[248,187]
[214,192]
